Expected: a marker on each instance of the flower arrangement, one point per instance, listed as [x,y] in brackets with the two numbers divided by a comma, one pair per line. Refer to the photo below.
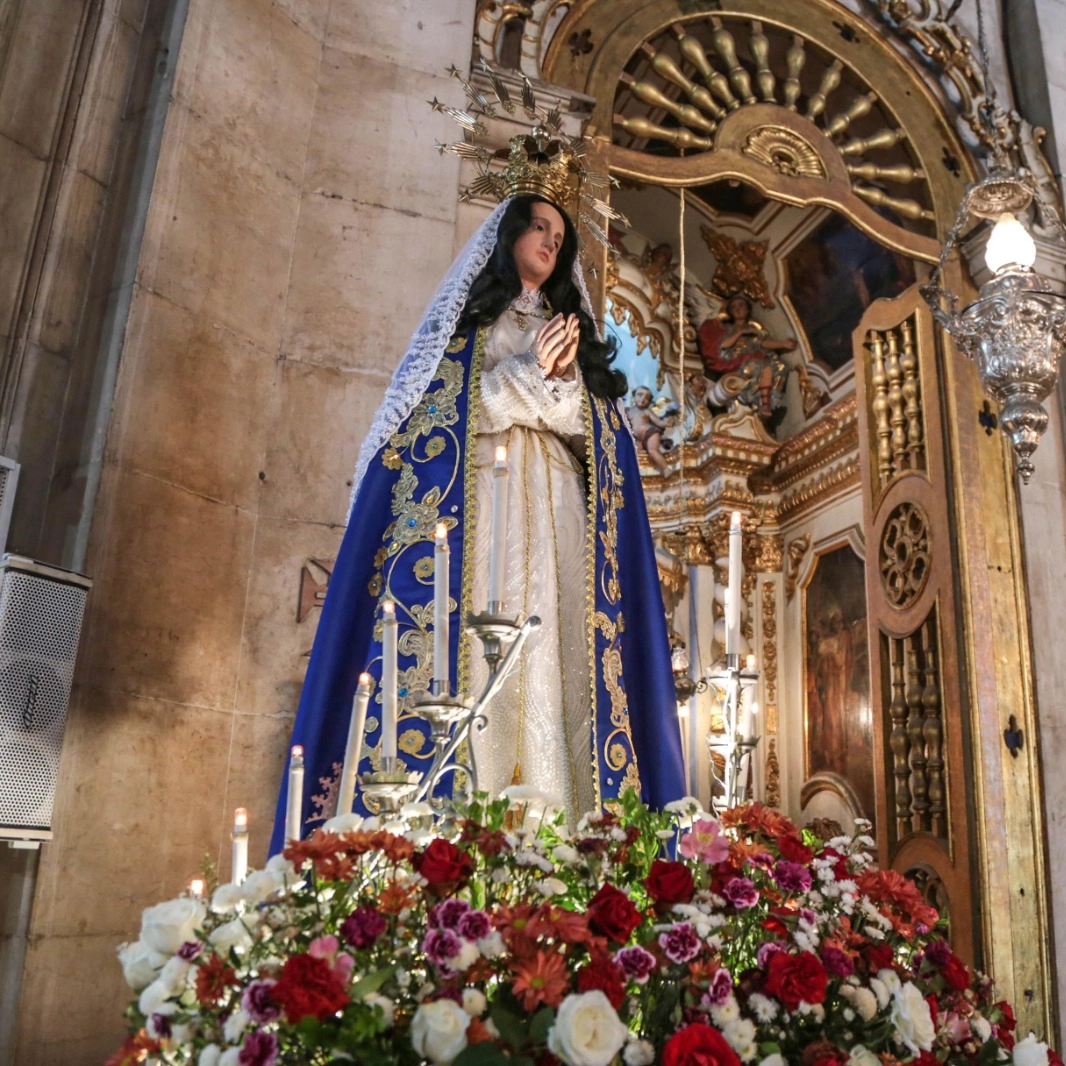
[493,936]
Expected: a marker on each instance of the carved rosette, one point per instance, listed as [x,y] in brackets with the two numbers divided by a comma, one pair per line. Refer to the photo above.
[904,557]
[785,151]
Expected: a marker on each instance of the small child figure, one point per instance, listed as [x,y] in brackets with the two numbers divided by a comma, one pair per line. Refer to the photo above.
[647,427]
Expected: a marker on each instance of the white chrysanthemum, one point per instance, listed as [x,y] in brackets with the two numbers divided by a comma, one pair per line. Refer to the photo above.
[492,946]
[890,979]
[474,1002]
[468,955]
[1030,1052]
[639,1052]
[765,1008]
[550,886]
[226,898]
[388,1008]
[235,1025]
[565,855]
[861,1056]
[774,1060]
[233,935]
[865,1003]
[209,1056]
[981,1027]
[343,823]
[739,1033]
[726,1012]
[877,986]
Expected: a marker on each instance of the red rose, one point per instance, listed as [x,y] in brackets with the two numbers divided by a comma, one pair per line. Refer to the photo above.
[698,1045]
[444,866]
[794,850]
[1008,1021]
[878,957]
[955,974]
[611,913]
[796,978]
[669,882]
[605,975]
[308,986]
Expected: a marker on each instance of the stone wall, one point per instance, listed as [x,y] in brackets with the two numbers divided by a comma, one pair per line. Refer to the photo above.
[299,219]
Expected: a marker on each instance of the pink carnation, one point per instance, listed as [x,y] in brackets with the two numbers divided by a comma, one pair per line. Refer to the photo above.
[637,963]
[741,893]
[680,943]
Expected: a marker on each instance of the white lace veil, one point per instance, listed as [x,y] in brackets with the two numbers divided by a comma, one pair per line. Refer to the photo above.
[416,368]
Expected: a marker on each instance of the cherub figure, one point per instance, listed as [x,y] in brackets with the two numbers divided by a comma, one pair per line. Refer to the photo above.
[648,427]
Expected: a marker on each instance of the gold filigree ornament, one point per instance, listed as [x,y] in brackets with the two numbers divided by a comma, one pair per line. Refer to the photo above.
[785,151]
[546,161]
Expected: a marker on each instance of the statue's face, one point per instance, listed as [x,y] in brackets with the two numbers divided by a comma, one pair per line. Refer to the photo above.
[738,309]
[642,397]
[537,250]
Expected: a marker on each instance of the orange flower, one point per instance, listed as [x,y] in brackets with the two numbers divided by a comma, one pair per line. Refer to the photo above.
[394,898]
[135,1048]
[756,818]
[213,977]
[318,845]
[572,928]
[477,1032]
[906,907]
[542,979]
[523,922]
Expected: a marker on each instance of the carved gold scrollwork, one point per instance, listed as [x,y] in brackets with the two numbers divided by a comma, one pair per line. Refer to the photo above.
[797,552]
[773,775]
[784,151]
[769,639]
[905,554]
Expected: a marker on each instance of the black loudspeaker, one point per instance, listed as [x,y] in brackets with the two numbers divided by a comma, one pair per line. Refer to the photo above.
[41,611]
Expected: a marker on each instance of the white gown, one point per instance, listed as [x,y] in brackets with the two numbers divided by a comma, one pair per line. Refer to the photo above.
[540,722]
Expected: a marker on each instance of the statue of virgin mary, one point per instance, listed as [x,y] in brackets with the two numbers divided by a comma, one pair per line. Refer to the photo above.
[506,354]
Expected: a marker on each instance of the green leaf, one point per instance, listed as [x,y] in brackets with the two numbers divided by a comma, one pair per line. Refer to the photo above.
[371,983]
[484,1054]
[511,1029]
[541,1024]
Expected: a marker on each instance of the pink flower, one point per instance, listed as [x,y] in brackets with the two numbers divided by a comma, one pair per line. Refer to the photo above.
[721,988]
[705,842]
[792,877]
[363,926]
[260,1048]
[766,952]
[637,963]
[258,1001]
[441,946]
[448,914]
[474,925]
[680,943]
[741,893]
[327,948]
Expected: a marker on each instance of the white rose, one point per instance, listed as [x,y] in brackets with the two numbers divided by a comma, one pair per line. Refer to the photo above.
[1030,1052]
[232,1057]
[981,1027]
[388,1008]
[153,997]
[233,934]
[174,974]
[209,1056]
[861,1056]
[227,898]
[474,1002]
[140,964]
[438,1030]
[639,1052]
[912,1019]
[235,1025]
[166,926]
[259,885]
[587,1031]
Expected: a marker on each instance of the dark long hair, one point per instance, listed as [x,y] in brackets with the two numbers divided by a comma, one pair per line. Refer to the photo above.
[498,284]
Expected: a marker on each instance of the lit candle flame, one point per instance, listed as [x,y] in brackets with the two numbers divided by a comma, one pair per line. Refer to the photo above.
[388,607]
[364,680]
[441,533]
[736,520]
[297,751]
[196,887]
[240,818]
[501,454]
[750,662]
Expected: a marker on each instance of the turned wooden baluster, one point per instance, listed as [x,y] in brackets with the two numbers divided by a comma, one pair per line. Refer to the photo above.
[795,57]
[911,407]
[895,404]
[898,741]
[760,49]
[727,49]
[830,80]
[718,83]
[918,783]
[880,406]
[933,731]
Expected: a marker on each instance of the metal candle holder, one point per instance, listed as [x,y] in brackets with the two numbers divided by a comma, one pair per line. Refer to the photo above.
[730,681]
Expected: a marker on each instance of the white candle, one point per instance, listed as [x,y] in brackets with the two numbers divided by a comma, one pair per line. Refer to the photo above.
[294,800]
[732,604]
[441,564]
[196,888]
[346,793]
[498,549]
[240,846]
[388,681]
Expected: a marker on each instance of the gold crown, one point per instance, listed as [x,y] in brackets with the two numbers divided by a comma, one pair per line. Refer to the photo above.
[543,162]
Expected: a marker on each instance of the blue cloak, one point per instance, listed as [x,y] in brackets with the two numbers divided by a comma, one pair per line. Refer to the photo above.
[423,475]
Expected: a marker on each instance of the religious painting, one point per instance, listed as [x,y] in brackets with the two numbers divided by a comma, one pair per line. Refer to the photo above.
[839,733]
[833,276]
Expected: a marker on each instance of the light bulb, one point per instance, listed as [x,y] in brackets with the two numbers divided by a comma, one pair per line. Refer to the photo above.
[1009,244]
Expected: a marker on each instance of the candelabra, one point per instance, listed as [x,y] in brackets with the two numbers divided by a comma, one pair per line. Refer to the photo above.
[735,687]
[452,717]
